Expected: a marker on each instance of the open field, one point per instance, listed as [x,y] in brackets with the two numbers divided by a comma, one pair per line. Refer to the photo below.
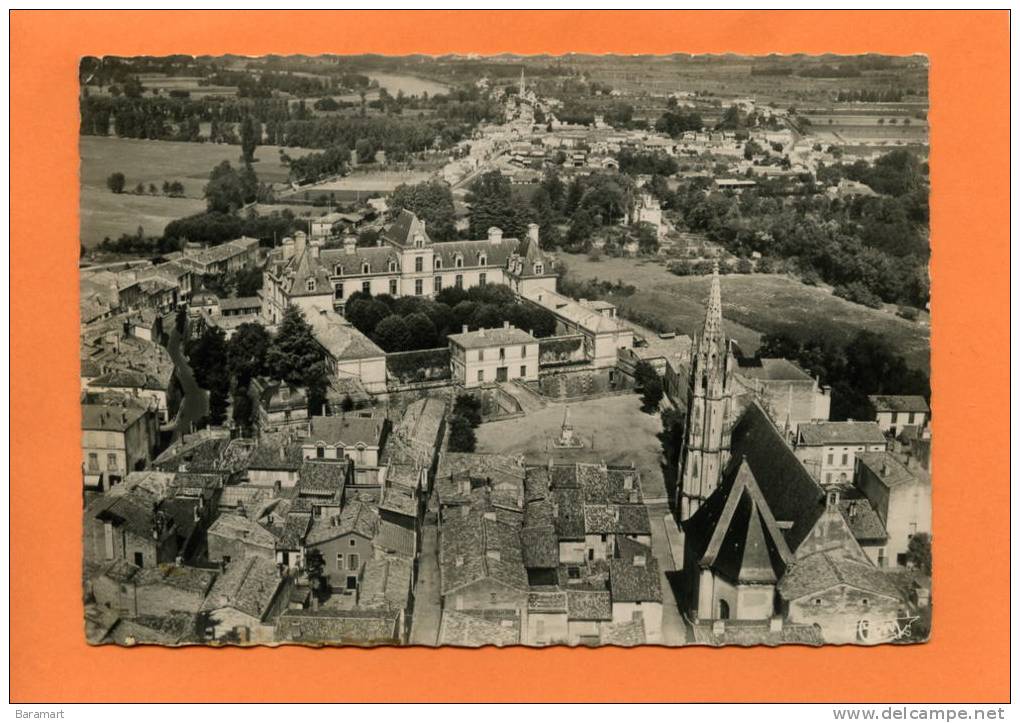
[754,304]
[106,214]
[141,161]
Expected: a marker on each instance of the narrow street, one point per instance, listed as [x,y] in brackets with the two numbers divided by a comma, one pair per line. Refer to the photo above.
[196,400]
[427,608]
[674,631]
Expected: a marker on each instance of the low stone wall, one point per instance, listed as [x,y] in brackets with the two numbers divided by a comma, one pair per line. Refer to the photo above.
[586,383]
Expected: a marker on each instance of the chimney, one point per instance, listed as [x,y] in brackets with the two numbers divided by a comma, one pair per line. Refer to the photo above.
[315,600]
[506,324]
[283,454]
[533,233]
[639,560]
[495,235]
[313,249]
[885,467]
[459,562]
[350,243]
[775,624]
[464,329]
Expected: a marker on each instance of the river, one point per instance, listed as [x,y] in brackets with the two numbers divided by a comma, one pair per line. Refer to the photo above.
[409,84]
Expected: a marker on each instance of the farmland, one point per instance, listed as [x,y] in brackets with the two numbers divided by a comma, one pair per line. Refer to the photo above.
[142,161]
[753,305]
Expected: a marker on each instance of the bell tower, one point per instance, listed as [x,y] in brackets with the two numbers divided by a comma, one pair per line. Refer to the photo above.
[709,410]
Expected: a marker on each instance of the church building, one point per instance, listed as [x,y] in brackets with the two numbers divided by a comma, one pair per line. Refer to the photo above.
[710,410]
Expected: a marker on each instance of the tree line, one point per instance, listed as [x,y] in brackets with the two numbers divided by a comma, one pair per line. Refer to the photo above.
[411,323]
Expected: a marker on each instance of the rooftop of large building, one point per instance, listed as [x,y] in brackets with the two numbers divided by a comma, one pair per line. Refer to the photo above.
[339,337]
[898,403]
[824,433]
[486,338]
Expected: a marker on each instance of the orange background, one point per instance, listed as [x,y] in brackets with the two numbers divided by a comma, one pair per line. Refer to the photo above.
[967,659]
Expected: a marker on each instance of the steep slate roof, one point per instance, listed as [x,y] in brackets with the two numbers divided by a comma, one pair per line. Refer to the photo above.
[247,585]
[792,494]
[467,549]
[819,433]
[401,232]
[820,571]
[477,628]
[744,543]
[898,403]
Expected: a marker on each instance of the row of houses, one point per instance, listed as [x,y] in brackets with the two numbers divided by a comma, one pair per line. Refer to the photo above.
[310,537]
[542,555]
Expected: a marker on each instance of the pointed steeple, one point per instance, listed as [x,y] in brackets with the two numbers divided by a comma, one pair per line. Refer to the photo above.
[522,82]
[713,312]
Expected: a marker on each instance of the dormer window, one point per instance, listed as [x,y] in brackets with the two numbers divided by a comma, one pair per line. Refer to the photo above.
[482,259]
[539,268]
[366,268]
[338,270]
[310,285]
[459,262]
[438,263]
[392,266]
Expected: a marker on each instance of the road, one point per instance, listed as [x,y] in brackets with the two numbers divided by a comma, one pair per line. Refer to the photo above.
[674,632]
[427,606]
[196,400]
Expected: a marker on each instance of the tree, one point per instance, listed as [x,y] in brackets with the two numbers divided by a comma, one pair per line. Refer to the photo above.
[421,331]
[225,192]
[652,394]
[115,182]
[365,313]
[582,226]
[365,149]
[919,552]
[493,205]
[251,130]
[315,566]
[392,334]
[243,409]
[152,189]
[293,350]
[246,352]
[468,407]
[431,201]
[247,282]
[462,435]
[181,320]
[347,403]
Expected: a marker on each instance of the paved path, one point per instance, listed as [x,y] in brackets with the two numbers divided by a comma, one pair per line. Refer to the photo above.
[529,400]
[196,400]
[674,631]
[427,608]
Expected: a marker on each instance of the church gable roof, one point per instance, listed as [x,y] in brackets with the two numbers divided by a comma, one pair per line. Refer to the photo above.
[746,544]
[402,231]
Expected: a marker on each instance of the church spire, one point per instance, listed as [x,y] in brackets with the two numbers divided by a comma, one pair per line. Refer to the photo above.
[521,93]
[713,313]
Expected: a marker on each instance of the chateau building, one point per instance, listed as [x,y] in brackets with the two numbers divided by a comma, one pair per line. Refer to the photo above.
[405,263]
[710,410]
